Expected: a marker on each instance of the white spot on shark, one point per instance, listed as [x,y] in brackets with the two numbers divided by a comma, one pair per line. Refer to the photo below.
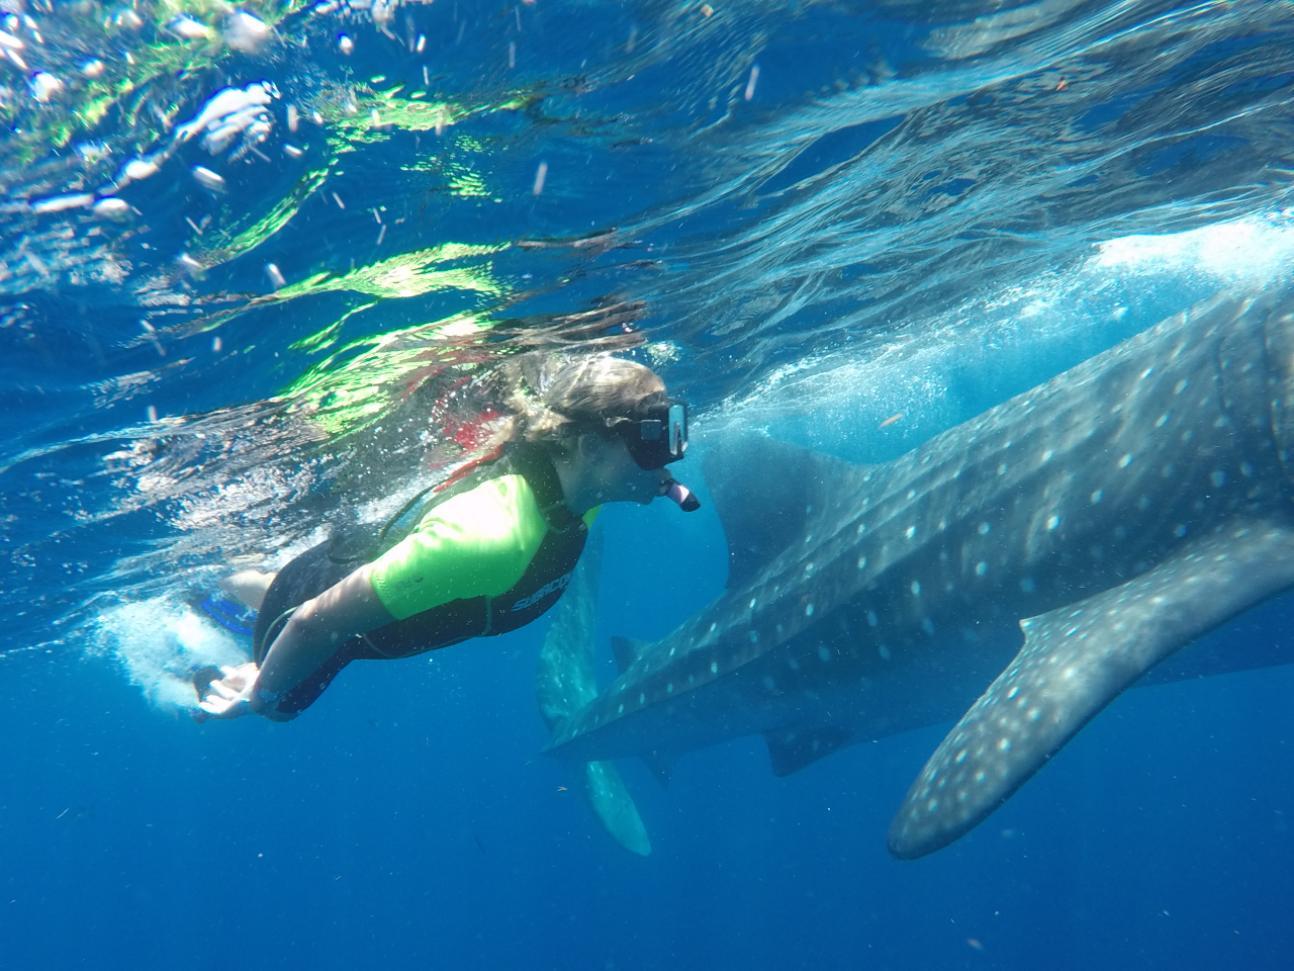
[1053,521]
[984,529]
[981,568]
[1218,478]
[1125,460]
[1096,496]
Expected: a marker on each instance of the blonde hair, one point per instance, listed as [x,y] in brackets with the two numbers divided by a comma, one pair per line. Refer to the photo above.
[555,397]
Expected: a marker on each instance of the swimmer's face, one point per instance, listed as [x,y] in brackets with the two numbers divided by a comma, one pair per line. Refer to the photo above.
[618,477]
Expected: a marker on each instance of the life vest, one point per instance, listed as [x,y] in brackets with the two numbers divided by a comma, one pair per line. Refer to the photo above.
[539,587]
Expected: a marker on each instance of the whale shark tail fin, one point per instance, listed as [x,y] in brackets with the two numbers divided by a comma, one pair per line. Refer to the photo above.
[566,683]
[1076,660]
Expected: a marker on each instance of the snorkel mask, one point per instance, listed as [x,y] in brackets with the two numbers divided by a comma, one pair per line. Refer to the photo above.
[657,436]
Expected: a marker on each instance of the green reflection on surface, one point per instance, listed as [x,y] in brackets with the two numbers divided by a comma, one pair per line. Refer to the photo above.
[370,118]
[146,75]
[411,274]
[361,381]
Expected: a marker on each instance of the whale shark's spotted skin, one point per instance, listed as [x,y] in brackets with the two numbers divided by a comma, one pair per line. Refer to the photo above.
[1113,514]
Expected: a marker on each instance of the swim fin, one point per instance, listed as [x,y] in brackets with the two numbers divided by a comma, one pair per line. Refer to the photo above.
[229,614]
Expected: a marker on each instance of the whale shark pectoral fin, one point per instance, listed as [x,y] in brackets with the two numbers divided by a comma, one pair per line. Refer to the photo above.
[792,749]
[1074,661]
[625,651]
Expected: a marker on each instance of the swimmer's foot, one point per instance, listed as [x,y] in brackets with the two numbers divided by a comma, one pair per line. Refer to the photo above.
[202,679]
[248,587]
[225,692]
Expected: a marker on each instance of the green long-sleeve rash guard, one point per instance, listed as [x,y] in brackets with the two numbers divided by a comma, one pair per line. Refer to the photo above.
[477,543]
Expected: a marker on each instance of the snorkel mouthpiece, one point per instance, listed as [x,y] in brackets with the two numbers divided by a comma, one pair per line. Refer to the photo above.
[684,496]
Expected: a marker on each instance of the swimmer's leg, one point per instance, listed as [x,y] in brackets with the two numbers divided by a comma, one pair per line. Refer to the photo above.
[248,587]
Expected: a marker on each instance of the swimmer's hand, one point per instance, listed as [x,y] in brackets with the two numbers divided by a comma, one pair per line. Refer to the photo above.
[230,696]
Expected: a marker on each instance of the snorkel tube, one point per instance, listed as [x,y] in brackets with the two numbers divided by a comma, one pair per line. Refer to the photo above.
[681,494]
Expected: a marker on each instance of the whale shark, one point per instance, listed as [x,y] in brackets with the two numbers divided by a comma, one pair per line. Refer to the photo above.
[1054,549]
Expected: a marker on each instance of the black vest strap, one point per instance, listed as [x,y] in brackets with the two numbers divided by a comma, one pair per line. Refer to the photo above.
[534,465]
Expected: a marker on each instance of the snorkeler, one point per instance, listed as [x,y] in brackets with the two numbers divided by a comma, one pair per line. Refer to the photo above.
[485,556]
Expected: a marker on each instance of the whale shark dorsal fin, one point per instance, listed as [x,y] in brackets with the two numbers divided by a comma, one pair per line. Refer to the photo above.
[1074,661]
[764,490]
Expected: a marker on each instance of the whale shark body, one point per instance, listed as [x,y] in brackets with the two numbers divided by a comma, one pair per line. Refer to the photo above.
[1054,548]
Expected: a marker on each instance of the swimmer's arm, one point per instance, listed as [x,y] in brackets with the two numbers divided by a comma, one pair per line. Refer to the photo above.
[314,631]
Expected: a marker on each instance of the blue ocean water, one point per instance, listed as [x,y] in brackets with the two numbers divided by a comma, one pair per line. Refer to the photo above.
[253,263]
